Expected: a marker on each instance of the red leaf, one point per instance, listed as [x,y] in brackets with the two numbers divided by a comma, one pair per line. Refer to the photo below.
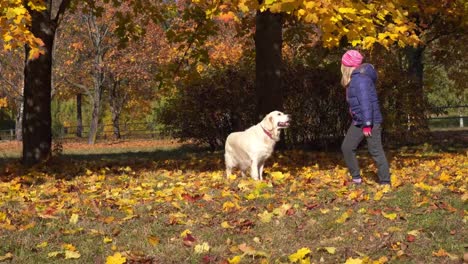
[410,238]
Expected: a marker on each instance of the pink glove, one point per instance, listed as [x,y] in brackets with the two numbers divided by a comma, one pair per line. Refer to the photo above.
[367,131]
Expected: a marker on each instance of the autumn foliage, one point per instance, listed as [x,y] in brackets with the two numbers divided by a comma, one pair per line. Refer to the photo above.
[305,211]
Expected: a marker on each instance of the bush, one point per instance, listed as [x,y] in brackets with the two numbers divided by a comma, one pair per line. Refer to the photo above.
[207,109]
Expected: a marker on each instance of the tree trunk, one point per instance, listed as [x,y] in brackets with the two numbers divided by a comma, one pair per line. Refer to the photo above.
[37,132]
[93,128]
[268,59]
[417,117]
[79,117]
[115,103]
[19,123]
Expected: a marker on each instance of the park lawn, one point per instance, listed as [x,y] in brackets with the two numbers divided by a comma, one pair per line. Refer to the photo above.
[177,207]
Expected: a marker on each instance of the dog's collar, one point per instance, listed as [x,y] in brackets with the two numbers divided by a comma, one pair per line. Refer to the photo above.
[267,132]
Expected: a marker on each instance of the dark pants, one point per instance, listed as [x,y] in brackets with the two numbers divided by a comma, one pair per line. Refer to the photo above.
[351,141]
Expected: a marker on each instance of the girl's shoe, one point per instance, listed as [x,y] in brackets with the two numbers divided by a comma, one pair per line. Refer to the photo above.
[357,181]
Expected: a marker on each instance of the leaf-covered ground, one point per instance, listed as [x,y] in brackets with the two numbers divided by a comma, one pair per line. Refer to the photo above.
[175,206]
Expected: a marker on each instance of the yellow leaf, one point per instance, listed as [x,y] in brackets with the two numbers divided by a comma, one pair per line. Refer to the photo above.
[225,224]
[6,256]
[54,254]
[42,245]
[347,10]
[265,217]
[185,233]
[107,240]
[378,195]
[299,255]
[343,217]
[153,240]
[235,260]
[330,250]
[324,211]
[74,219]
[444,177]
[413,233]
[203,248]
[354,261]
[117,258]
[72,254]
[390,216]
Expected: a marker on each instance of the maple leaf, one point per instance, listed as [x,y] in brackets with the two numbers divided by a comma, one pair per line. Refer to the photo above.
[345,216]
[202,248]
[265,217]
[117,258]
[300,255]
[69,254]
[391,216]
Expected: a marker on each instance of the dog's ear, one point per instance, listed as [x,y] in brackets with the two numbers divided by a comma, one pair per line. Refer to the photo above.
[268,123]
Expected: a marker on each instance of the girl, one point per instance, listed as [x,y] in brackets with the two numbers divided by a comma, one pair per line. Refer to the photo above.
[359,80]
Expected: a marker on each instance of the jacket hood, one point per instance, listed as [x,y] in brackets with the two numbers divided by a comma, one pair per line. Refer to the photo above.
[366,69]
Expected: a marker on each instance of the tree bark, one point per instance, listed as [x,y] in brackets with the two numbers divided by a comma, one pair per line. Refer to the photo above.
[268,59]
[93,129]
[37,120]
[415,73]
[79,116]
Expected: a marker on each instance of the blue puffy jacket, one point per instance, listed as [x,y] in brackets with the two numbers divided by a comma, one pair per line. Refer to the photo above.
[362,96]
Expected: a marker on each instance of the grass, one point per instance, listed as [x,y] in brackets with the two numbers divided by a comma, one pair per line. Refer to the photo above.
[139,201]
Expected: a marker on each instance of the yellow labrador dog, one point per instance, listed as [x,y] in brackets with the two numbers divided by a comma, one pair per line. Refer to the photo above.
[250,148]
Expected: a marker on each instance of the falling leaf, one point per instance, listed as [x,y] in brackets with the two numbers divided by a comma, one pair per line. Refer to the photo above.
[117,258]
[391,216]
[299,255]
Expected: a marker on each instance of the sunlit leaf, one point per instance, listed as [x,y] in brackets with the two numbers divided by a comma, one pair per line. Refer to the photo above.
[117,258]
[299,255]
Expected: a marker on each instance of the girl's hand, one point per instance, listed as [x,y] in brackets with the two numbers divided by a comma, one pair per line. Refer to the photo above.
[367,131]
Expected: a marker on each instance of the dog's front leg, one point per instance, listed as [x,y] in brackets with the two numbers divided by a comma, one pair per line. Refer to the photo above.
[254,170]
[260,171]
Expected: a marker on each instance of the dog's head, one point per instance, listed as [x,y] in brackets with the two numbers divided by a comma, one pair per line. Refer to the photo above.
[275,121]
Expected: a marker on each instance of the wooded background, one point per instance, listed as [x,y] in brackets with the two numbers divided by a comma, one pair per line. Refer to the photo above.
[198,70]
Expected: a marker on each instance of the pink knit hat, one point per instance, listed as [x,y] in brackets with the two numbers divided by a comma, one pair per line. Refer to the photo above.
[352,58]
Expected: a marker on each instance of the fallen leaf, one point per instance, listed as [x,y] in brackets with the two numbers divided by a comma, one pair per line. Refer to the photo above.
[74,219]
[354,261]
[72,254]
[330,250]
[202,248]
[153,240]
[299,255]
[7,256]
[117,258]
[235,260]
[391,216]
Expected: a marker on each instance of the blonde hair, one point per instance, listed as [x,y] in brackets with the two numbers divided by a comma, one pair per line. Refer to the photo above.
[346,75]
